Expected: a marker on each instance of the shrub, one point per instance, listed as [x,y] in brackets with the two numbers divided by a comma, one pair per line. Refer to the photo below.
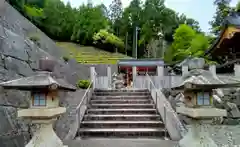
[84,84]
[108,41]
[33,11]
[34,38]
[65,58]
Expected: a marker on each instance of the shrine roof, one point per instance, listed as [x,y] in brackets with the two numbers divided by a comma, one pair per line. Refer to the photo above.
[140,62]
[39,81]
[232,20]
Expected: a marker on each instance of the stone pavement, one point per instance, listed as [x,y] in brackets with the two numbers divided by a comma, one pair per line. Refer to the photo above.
[121,143]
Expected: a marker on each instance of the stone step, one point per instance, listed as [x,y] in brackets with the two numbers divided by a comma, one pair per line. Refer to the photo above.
[121,132]
[120,90]
[121,93]
[121,97]
[122,111]
[122,101]
[147,141]
[121,117]
[118,106]
[121,124]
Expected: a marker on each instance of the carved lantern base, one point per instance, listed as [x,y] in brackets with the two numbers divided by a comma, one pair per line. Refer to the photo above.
[44,136]
[197,136]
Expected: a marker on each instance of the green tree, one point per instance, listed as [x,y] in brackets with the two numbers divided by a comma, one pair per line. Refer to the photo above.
[36,3]
[222,10]
[199,45]
[90,3]
[104,10]
[17,4]
[187,42]
[237,8]
[157,21]
[153,18]
[108,41]
[182,37]
[89,21]
[115,15]
[157,24]
[135,11]
[58,20]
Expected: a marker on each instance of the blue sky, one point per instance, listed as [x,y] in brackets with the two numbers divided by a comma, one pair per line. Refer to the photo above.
[200,10]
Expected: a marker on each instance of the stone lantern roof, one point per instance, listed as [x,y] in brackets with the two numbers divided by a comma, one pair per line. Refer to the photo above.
[42,80]
[192,63]
[203,79]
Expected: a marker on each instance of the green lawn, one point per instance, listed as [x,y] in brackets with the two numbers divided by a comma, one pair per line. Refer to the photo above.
[90,55]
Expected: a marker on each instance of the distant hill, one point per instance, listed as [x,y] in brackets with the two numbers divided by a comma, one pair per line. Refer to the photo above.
[90,55]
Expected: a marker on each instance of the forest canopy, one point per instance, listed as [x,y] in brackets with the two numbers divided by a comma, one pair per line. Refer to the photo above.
[160,31]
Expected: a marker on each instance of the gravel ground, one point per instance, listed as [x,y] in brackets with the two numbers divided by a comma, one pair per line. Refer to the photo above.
[225,136]
[121,143]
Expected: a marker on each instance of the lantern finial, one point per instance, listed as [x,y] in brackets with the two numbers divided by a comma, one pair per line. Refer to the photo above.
[47,64]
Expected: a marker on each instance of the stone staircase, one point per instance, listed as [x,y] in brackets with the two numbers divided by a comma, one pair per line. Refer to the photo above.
[122,114]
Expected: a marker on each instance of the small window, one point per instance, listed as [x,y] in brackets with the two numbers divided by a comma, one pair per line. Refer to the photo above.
[203,98]
[39,99]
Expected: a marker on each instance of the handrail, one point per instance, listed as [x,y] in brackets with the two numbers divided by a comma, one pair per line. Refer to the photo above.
[79,106]
[84,96]
[78,111]
[167,106]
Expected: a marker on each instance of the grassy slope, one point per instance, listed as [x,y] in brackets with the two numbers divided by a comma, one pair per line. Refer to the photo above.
[90,55]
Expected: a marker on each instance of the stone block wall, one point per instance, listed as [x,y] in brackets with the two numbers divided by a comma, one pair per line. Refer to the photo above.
[19,58]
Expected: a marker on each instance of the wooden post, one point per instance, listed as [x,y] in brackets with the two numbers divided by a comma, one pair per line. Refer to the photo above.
[184,70]
[92,76]
[127,77]
[109,74]
[126,43]
[149,84]
[237,70]
[160,74]
[134,75]
[212,69]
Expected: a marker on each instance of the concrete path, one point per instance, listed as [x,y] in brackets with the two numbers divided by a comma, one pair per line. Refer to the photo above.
[121,143]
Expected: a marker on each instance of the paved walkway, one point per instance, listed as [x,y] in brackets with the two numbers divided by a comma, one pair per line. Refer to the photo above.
[121,143]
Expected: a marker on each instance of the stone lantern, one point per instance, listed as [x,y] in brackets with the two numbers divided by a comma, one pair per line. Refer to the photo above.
[198,105]
[44,104]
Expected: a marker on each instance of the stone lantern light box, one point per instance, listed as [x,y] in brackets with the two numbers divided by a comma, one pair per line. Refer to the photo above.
[196,96]
[197,87]
[44,92]
[44,87]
